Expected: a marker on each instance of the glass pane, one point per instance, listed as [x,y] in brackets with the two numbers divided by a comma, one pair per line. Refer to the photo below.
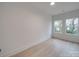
[69,25]
[58,26]
[72,26]
[75,25]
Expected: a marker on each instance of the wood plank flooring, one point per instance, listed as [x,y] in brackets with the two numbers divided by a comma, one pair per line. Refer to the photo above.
[52,48]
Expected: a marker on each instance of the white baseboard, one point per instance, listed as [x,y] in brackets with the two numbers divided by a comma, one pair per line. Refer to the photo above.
[13,52]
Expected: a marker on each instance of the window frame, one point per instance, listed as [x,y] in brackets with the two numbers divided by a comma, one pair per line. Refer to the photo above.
[73,21]
[60,28]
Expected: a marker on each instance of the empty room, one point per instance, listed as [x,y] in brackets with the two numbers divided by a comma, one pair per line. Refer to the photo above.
[39,29]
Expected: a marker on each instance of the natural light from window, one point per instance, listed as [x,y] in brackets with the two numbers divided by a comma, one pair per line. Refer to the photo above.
[72,25]
[58,26]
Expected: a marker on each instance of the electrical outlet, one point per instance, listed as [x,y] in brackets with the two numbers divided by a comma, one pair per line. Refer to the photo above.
[0,50]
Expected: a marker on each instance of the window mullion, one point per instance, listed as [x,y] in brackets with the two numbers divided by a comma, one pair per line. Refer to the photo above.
[78,25]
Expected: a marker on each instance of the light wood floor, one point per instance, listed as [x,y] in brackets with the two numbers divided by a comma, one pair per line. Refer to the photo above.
[51,48]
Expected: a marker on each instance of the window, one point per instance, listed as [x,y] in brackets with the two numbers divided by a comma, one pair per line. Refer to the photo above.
[72,26]
[58,26]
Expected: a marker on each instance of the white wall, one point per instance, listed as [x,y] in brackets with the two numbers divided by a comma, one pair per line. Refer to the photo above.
[22,26]
[64,16]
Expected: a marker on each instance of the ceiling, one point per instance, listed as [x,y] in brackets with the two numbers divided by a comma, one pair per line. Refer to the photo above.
[58,8]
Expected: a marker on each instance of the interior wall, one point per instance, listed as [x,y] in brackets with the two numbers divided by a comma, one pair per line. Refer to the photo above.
[22,26]
[64,35]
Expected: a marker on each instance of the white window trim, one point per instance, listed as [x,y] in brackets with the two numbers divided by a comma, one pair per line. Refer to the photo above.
[61,28]
[70,33]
